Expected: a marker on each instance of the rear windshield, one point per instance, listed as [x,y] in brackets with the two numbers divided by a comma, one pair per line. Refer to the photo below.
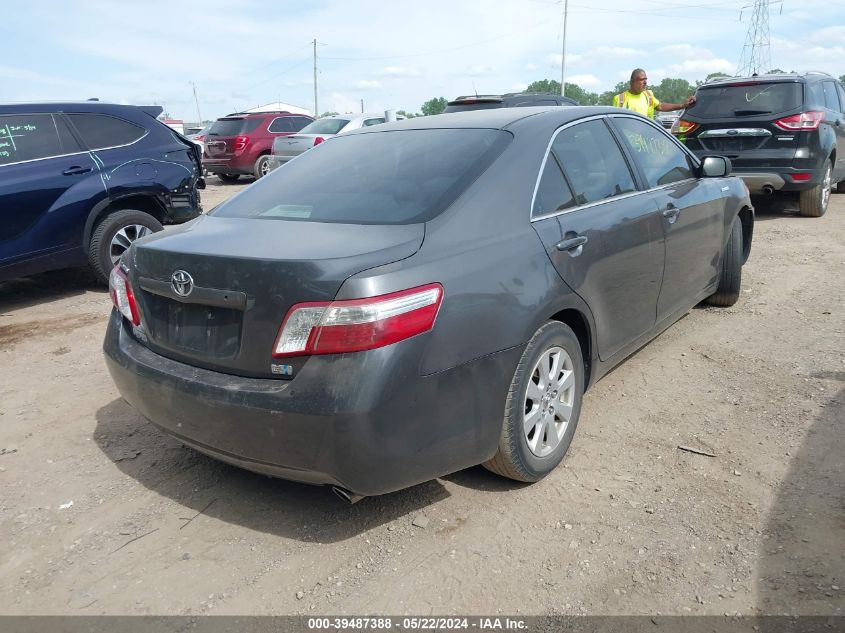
[474,105]
[408,176]
[746,100]
[324,126]
[233,127]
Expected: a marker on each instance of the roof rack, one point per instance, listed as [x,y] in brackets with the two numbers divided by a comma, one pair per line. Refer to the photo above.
[262,112]
[818,72]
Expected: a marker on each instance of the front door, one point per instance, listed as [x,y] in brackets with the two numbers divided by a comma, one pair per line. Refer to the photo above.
[610,249]
[692,213]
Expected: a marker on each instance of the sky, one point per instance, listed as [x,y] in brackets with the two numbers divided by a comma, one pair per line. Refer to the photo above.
[391,55]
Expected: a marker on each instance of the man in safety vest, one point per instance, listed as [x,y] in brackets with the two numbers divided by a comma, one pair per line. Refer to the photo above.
[639,99]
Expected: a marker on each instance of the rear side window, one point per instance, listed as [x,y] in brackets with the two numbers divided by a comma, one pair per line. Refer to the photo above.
[325,126]
[28,137]
[553,194]
[281,124]
[99,131]
[299,122]
[815,95]
[661,161]
[370,122]
[409,176]
[831,99]
[592,162]
[747,100]
[233,126]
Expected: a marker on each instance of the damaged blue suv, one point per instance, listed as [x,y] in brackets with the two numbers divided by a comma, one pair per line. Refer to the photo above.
[79,182]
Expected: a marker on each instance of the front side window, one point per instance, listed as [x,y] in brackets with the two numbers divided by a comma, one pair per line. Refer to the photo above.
[408,176]
[593,162]
[99,131]
[661,161]
[28,137]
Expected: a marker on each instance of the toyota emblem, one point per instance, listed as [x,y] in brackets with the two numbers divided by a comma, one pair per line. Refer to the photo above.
[182,283]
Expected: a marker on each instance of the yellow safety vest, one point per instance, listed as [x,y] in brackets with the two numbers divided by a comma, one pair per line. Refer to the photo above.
[621,99]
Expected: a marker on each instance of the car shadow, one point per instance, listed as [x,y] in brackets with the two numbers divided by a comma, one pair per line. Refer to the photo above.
[275,506]
[776,207]
[801,567]
[25,292]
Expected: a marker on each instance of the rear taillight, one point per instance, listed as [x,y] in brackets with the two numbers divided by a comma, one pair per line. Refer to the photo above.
[803,121]
[801,176]
[318,140]
[358,324]
[682,126]
[122,296]
[200,138]
[240,142]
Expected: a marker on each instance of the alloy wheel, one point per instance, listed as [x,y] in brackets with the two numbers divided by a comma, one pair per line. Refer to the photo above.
[549,401]
[123,239]
[826,187]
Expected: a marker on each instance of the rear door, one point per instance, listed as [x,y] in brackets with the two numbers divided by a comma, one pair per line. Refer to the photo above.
[835,107]
[46,184]
[611,251]
[692,213]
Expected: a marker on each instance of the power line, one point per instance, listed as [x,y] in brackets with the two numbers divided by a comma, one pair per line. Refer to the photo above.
[756,56]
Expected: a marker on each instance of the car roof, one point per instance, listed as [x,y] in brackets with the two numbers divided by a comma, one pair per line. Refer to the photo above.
[76,106]
[496,118]
[774,78]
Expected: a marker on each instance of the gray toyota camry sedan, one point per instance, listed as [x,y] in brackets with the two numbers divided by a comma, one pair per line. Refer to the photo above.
[406,301]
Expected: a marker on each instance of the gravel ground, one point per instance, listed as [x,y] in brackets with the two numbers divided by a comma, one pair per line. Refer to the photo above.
[102,514]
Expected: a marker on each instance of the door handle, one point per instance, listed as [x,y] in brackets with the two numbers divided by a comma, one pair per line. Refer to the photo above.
[76,170]
[671,213]
[572,243]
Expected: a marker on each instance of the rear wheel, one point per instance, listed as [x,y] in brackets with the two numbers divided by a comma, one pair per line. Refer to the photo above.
[542,407]
[730,279]
[813,202]
[114,235]
[228,177]
[262,166]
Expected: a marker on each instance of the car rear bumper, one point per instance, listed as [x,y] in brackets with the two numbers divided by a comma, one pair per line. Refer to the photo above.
[277,161]
[367,422]
[233,165]
[781,179]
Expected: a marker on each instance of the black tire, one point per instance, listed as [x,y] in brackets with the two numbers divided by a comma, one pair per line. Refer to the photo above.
[812,203]
[228,177]
[840,186]
[515,459]
[730,279]
[262,166]
[101,251]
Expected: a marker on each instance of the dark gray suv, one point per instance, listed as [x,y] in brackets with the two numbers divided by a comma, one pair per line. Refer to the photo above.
[372,324]
[783,133]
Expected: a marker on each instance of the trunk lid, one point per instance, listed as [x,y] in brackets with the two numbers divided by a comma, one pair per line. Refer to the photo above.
[294,145]
[245,275]
[738,121]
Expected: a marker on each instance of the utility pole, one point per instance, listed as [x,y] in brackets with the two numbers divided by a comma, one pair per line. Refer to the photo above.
[316,111]
[197,102]
[362,106]
[563,50]
[756,57]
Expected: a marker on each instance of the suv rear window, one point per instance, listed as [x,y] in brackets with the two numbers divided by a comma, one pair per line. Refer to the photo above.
[463,106]
[233,126]
[325,126]
[747,99]
[406,179]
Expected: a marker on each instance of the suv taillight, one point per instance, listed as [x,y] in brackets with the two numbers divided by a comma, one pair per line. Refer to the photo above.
[355,325]
[122,296]
[240,142]
[682,126]
[804,121]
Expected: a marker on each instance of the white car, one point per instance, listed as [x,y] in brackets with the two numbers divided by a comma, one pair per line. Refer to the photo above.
[287,147]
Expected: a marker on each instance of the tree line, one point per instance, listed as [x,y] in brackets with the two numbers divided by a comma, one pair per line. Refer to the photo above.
[671,90]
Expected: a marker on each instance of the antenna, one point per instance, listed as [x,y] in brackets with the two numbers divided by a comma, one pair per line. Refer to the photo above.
[474,89]
[756,57]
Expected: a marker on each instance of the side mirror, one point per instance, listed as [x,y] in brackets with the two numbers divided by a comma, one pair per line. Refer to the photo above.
[716,166]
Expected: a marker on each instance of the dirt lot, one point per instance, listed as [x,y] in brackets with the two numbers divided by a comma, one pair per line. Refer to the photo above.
[102,514]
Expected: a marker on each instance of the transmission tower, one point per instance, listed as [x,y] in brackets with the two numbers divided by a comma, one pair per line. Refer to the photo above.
[756,53]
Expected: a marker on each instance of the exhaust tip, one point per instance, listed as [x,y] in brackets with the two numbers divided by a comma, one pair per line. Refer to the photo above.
[768,189]
[346,495]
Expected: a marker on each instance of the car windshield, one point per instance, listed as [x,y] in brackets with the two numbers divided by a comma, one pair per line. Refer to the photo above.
[324,126]
[746,99]
[408,176]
